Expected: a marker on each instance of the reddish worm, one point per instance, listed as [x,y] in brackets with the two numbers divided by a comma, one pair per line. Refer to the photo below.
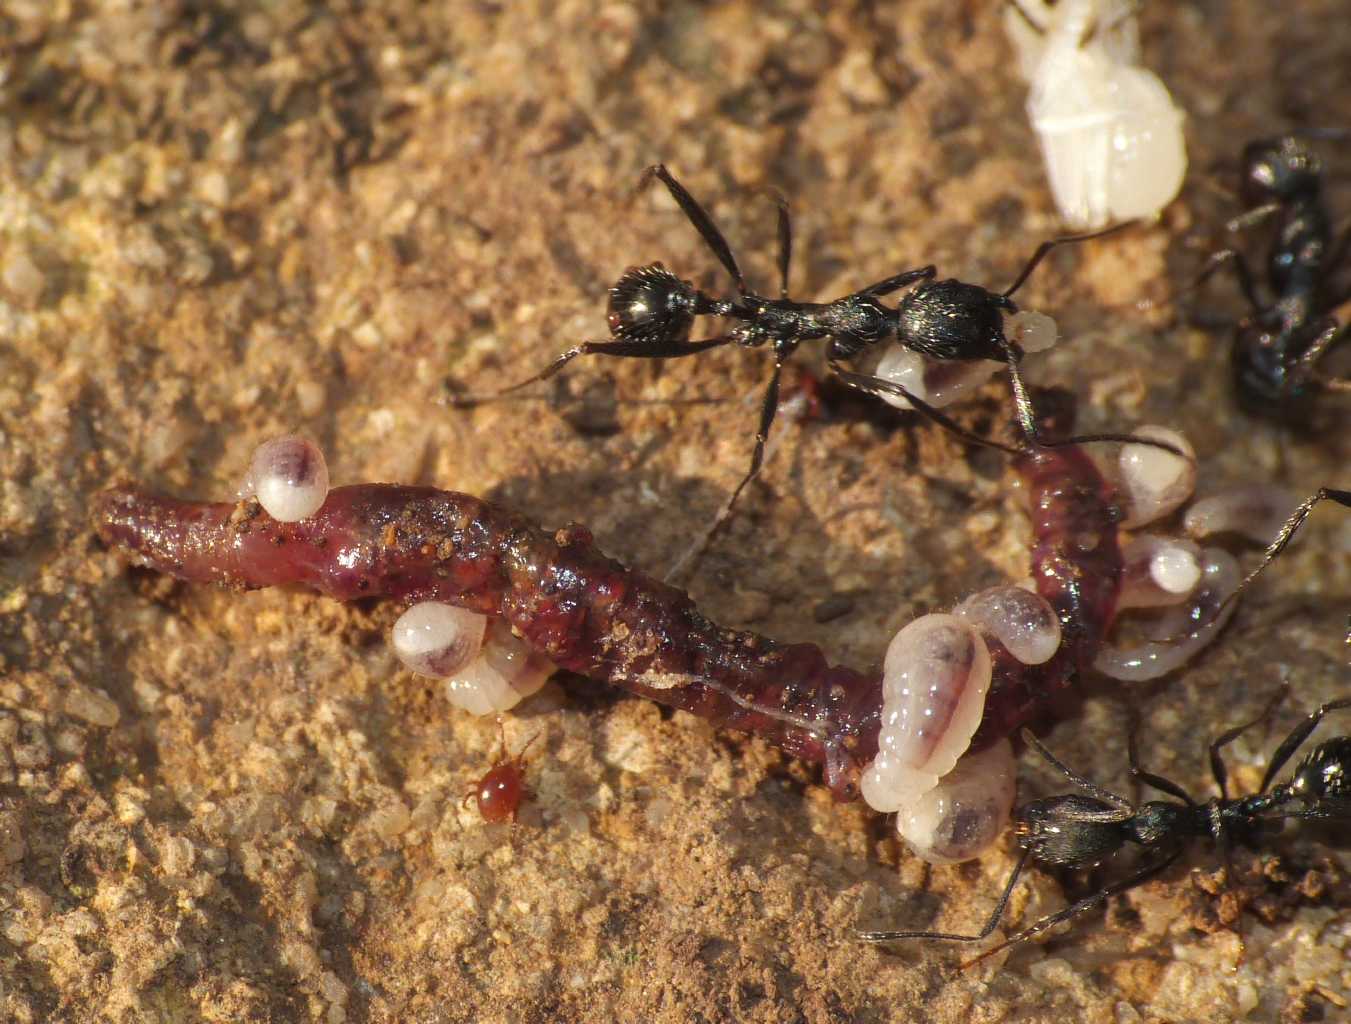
[590,615]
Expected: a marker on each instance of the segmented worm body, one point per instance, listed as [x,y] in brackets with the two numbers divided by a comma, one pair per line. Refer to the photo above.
[588,614]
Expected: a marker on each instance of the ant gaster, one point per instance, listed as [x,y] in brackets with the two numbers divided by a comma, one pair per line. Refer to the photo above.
[651,314]
[1079,831]
[1277,346]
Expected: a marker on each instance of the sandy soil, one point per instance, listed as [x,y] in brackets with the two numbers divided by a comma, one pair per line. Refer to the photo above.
[222,222]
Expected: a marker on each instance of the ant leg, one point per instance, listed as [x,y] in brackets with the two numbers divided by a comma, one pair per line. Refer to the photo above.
[768,408]
[785,240]
[1250,218]
[702,222]
[1297,736]
[1049,244]
[1241,272]
[629,349]
[1330,334]
[1105,795]
[1287,531]
[1158,782]
[1217,767]
[877,387]
[898,281]
[1036,26]
[990,925]
[1027,414]
[1087,903]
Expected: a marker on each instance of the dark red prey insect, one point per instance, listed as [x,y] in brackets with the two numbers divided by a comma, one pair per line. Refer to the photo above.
[500,792]
[590,615]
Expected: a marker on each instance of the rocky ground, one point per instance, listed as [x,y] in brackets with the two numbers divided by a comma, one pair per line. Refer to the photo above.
[223,222]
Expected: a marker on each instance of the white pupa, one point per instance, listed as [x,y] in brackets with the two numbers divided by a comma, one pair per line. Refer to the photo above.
[1111,136]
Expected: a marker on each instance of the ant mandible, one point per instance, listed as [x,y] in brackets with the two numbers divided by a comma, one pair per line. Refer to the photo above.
[1278,345]
[1077,831]
[651,314]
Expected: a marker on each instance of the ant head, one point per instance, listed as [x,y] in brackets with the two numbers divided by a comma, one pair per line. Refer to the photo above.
[1279,170]
[651,304]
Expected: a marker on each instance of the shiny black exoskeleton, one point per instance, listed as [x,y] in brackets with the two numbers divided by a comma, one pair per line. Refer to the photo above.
[651,313]
[1277,346]
[1075,830]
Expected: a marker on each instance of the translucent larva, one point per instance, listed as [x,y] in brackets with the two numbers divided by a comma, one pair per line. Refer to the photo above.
[934,681]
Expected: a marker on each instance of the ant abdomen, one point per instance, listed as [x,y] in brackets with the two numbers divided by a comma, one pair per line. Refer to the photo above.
[651,304]
[1279,170]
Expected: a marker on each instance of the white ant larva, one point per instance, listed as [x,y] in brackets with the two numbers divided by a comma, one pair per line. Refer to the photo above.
[1110,133]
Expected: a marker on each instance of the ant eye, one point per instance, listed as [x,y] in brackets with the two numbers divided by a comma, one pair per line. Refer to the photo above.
[651,304]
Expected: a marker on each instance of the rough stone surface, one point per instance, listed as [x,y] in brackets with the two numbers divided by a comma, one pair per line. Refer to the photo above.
[220,223]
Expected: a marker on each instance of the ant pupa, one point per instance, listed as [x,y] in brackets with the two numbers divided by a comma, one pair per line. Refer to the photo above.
[498,794]
[1278,346]
[652,312]
[1110,134]
[1075,830]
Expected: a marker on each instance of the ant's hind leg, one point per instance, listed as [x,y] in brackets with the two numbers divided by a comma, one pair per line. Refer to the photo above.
[702,222]
[626,349]
[990,925]
[1087,903]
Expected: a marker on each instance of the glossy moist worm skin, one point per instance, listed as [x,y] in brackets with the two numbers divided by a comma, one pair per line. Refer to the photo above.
[582,610]
[590,615]
[1077,568]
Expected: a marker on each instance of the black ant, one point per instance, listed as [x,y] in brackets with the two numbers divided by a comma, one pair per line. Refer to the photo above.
[1077,831]
[651,313]
[1277,346]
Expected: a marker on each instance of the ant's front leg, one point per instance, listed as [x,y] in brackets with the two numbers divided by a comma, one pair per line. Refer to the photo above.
[898,281]
[880,387]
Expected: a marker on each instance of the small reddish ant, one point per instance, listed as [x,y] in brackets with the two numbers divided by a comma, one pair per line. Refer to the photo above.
[500,791]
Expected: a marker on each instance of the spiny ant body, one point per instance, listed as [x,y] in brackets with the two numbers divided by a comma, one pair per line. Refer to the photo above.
[652,311]
[500,792]
[1278,345]
[1080,830]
